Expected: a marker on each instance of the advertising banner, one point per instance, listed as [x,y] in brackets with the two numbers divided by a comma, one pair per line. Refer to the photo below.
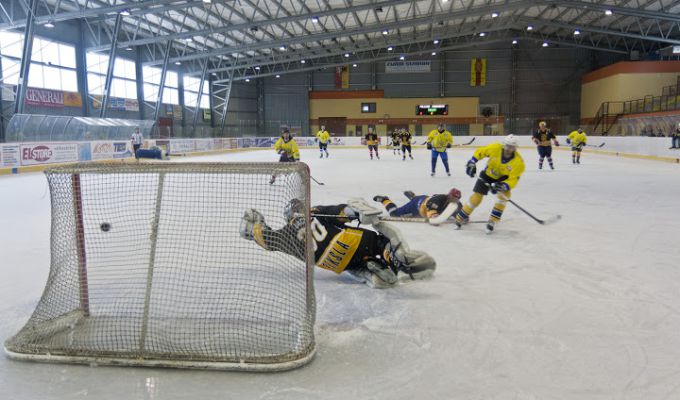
[109,150]
[203,144]
[478,72]
[48,153]
[397,67]
[9,156]
[181,146]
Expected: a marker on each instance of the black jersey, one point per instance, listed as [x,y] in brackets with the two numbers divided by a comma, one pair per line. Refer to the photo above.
[544,138]
[336,246]
[436,203]
[371,139]
[406,138]
[395,138]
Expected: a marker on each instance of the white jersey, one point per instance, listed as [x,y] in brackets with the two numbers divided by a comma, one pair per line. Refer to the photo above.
[137,138]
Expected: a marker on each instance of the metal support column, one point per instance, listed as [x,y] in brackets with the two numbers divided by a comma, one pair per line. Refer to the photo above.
[200,93]
[310,81]
[139,76]
[182,103]
[512,112]
[164,72]
[81,69]
[225,107]
[442,75]
[261,121]
[211,102]
[109,70]
[2,107]
[25,58]
[374,77]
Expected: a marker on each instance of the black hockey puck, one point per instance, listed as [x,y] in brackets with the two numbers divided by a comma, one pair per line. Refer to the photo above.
[105,226]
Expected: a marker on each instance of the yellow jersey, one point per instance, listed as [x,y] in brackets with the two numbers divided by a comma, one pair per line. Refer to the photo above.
[439,140]
[323,136]
[289,147]
[577,138]
[498,167]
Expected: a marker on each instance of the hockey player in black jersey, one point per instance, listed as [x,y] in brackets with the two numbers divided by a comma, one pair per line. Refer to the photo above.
[436,208]
[374,257]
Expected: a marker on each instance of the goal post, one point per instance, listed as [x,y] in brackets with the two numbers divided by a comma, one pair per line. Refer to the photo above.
[148,269]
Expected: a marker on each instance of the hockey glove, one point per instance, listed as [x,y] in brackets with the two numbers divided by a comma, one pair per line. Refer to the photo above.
[429,146]
[499,187]
[471,168]
[568,141]
[448,145]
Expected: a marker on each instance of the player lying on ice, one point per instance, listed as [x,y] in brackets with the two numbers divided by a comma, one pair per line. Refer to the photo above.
[373,257]
[502,172]
[153,152]
[436,208]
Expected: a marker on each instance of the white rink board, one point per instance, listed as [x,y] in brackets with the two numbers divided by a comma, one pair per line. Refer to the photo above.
[586,308]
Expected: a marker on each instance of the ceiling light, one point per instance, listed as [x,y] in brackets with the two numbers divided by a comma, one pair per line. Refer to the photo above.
[514,41]
[49,24]
[315,20]
[608,12]
[257,68]
[385,32]
[354,65]
[390,48]
[128,48]
[125,12]
[494,14]
[436,41]
[545,44]
[482,34]
[530,28]
[247,80]
[178,63]
[577,32]
[282,48]
[302,61]
[434,53]
[214,74]
[402,58]
[278,76]
[346,55]
[207,1]
[189,40]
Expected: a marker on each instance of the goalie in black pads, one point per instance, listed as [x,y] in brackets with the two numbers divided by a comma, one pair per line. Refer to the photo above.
[374,257]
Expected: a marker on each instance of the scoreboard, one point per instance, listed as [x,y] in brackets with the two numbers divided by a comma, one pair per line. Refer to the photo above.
[432,109]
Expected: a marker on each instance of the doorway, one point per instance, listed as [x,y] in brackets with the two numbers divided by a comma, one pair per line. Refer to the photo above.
[336,126]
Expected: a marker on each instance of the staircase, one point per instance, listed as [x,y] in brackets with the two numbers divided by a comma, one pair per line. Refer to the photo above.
[606,116]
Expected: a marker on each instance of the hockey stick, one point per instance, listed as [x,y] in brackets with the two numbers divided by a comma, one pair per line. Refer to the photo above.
[540,221]
[389,219]
[468,143]
[592,145]
[317,182]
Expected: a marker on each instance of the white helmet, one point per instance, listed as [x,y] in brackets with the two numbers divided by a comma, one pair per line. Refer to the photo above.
[511,140]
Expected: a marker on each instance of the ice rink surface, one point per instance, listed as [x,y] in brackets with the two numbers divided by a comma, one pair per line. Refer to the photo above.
[586,308]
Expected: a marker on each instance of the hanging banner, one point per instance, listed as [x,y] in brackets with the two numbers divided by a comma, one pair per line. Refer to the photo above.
[72,99]
[207,114]
[478,72]
[398,67]
[342,77]
[116,103]
[177,112]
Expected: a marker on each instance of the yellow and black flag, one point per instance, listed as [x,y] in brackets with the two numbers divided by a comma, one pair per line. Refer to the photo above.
[478,72]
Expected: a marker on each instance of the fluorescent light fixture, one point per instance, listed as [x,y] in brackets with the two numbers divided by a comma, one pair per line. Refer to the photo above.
[545,44]
[125,12]
[385,32]
[436,41]
[577,32]
[278,76]
[49,24]
[530,28]
[178,63]
[390,48]
[482,34]
[434,53]
[302,61]
[257,68]
[402,58]
[214,74]
[354,65]
[608,12]
[247,79]
[514,41]
[494,14]
[128,48]
[346,55]
[282,48]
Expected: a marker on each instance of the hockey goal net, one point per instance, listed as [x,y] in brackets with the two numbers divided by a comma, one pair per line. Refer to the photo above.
[148,268]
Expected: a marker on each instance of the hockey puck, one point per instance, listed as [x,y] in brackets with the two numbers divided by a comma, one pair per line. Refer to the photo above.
[105,226]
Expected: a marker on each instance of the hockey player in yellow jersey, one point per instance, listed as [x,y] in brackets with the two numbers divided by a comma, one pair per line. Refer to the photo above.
[578,141]
[287,149]
[324,138]
[439,140]
[502,172]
